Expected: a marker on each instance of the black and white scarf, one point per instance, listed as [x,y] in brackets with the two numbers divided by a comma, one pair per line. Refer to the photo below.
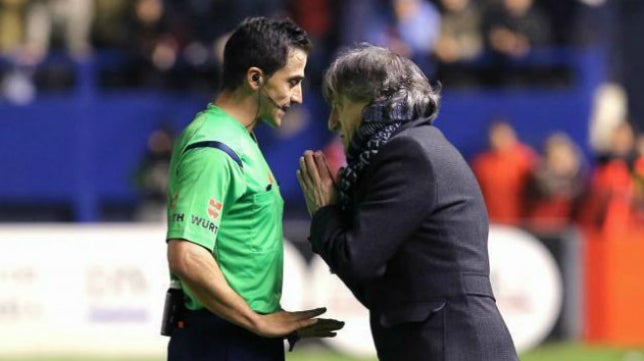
[379,123]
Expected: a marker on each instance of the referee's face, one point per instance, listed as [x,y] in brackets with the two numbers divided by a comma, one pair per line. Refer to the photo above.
[283,88]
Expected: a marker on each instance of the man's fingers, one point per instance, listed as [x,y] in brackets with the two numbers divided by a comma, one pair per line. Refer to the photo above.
[311,167]
[306,172]
[328,324]
[309,313]
[324,325]
[322,166]
[300,180]
[306,323]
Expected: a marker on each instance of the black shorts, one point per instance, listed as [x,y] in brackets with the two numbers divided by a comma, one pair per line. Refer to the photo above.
[206,337]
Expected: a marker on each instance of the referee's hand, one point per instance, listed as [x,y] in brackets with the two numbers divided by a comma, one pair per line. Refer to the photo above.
[284,323]
[325,327]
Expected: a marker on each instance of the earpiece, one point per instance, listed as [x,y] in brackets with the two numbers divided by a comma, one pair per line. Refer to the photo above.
[256,78]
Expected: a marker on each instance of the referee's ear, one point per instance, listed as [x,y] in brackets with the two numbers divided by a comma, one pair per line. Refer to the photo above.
[254,78]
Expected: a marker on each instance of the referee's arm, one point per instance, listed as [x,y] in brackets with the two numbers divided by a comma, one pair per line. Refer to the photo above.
[197,269]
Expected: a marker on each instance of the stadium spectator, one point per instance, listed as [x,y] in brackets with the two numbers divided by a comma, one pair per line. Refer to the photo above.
[416,31]
[408,27]
[109,28]
[224,236]
[46,17]
[556,186]
[511,29]
[460,41]
[406,229]
[199,38]
[502,172]
[152,45]
[16,80]
[152,175]
[318,18]
[614,205]
[11,25]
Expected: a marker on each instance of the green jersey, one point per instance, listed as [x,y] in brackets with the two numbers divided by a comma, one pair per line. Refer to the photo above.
[225,199]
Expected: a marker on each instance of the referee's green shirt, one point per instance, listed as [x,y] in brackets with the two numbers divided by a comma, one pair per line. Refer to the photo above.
[234,211]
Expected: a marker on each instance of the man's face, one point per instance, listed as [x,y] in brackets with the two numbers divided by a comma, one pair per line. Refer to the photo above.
[345,118]
[283,88]
[502,137]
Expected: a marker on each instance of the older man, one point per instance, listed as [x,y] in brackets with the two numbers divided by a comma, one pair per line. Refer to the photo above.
[406,227]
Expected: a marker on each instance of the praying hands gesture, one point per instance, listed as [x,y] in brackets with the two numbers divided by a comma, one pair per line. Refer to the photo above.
[316,181]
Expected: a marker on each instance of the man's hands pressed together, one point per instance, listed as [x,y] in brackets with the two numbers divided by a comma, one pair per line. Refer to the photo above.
[316,181]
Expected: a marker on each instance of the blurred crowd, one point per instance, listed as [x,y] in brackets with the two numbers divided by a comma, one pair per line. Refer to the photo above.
[549,189]
[177,44]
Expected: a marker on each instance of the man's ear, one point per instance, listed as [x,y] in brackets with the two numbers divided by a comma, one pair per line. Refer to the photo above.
[254,78]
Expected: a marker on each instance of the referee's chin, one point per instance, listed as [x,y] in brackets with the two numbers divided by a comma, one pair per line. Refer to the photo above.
[275,119]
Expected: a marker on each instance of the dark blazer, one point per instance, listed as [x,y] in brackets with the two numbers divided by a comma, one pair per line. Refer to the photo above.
[414,252]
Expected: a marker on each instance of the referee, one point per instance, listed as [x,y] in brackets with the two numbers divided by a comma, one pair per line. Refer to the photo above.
[224,236]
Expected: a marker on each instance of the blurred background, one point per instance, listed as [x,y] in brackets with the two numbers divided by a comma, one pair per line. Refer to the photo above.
[544,98]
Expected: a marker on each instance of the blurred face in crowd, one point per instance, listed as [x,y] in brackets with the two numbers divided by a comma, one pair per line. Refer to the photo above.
[517,6]
[455,5]
[149,11]
[502,137]
[345,118]
[406,8]
[623,140]
[561,157]
[282,88]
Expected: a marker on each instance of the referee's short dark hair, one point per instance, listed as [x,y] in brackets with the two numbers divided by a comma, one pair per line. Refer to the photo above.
[260,42]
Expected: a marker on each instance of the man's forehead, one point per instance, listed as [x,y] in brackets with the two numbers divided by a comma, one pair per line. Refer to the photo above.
[296,58]
[296,53]
[294,67]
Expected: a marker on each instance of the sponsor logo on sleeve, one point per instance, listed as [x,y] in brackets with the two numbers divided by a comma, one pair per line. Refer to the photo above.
[177,217]
[214,208]
[204,222]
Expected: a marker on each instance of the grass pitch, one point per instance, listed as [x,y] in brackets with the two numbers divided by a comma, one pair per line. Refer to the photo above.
[551,352]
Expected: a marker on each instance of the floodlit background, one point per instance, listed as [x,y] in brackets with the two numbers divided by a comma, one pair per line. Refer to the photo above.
[544,98]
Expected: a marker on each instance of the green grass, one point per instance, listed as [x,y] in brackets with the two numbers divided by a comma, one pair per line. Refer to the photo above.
[579,352]
[552,352]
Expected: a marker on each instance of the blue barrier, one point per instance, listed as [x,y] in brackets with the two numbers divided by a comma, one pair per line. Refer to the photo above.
[81,148]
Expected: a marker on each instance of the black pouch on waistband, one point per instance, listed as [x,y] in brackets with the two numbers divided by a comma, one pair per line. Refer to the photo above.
[173,310]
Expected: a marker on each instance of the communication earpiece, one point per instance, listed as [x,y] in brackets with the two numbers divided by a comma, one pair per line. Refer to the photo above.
[256,78]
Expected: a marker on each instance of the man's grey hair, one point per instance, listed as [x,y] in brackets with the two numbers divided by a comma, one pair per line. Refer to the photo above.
[372,74]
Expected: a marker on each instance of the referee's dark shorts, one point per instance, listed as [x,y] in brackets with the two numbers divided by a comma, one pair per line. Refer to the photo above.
[207,337]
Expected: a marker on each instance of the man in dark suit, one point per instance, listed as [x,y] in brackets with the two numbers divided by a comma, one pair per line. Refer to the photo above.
[406,227]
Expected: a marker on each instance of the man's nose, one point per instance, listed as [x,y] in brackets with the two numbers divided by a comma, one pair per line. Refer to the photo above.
[297,96]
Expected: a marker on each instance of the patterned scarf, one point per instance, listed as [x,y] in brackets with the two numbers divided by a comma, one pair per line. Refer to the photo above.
[379,123]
